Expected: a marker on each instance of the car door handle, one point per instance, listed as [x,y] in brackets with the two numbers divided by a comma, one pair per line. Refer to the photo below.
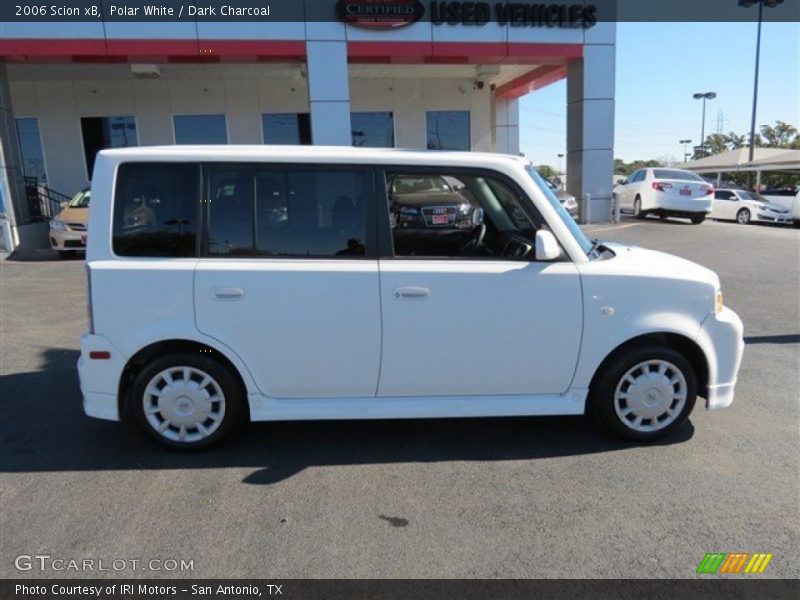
[411,293]
[227,293]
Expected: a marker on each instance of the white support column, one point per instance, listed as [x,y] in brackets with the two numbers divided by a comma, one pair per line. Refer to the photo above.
[590,123]
[11,183]
[329,92]
[505,126]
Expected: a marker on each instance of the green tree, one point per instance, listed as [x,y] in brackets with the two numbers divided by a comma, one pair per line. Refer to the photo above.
[546,171]
[780,135]
[717,143]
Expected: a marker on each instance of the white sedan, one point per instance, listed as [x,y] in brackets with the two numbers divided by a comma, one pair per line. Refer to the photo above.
[743,207]
[666,193]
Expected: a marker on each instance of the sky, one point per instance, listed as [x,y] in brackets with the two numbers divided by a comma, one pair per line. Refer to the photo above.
[659,67]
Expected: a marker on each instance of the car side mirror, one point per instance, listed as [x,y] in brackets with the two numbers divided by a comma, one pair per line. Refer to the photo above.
[620,182]
[547,248]
[62,205]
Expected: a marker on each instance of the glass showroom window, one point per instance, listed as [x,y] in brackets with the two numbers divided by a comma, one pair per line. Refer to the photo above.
[200,129]
[372,129]
[286,128]
[448,129]
[106,132]
[30,145]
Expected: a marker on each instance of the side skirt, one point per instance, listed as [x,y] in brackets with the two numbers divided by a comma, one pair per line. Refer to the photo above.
[431,407]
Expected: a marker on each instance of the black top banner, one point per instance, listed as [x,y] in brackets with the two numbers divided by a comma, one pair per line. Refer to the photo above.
[388,14]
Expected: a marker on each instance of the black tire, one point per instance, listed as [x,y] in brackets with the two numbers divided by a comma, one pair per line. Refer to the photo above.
[638,213]
[743,216]
[64,254]
[796,224]
[233,404]
[602,404]
[698,219]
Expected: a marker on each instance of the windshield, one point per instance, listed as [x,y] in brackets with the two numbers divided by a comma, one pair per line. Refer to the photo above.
[573,227]
[80,200]
[752,196]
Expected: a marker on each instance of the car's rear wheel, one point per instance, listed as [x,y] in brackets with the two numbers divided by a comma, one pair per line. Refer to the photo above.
[743,216]
[698,219]
[646,394]
[186,400]
[637,208]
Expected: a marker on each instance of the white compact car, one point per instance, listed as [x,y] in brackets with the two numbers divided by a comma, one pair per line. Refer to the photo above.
[745,207]
[666,193]
[272,283]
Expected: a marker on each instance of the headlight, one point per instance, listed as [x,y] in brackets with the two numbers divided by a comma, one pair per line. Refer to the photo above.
[57,225]
[718,303]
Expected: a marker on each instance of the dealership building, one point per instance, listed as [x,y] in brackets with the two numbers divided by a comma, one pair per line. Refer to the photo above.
[69,89]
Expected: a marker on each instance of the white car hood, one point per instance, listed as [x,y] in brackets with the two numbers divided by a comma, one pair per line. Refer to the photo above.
[641,261]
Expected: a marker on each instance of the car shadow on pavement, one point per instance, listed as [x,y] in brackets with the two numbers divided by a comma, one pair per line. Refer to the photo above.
[44,429]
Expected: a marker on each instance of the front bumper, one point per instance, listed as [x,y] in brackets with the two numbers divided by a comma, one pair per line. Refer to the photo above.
[721,337]
[767,217]
[67,240]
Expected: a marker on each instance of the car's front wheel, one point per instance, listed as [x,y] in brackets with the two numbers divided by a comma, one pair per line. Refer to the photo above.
[647,393]
[186,400]
[698,219]
[743,216]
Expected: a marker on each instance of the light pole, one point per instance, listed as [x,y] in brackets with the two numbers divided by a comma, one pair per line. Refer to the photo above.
[685,153]
[748,4]
[705,96]
[560,156]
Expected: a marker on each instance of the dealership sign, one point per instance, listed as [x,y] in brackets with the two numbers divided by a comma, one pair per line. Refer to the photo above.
[379,13]
[398,13]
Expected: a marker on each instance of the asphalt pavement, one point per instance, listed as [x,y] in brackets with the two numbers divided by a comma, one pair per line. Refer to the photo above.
[532,497]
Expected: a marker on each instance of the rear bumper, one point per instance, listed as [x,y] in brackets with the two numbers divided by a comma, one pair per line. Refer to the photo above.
[677,206]
[722,339]
[99,378]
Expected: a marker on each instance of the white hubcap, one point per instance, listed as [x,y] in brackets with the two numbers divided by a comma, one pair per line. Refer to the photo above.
[650,395]
[184,404]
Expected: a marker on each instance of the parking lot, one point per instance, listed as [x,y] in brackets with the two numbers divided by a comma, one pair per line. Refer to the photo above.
[534,497]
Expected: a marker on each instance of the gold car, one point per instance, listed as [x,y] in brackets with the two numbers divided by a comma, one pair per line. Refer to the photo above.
[68,228]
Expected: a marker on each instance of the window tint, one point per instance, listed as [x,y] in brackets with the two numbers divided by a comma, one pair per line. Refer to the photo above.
[638,176]
[448,129]
[457,215]
[723,195]
[676,174]
[30,146]
[155,209]
[230,211]
[286,128]
[372,129]
[106,132]
[274,211]
[200,129]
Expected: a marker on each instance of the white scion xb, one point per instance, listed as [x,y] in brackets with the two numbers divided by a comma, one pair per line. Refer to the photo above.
[282,283]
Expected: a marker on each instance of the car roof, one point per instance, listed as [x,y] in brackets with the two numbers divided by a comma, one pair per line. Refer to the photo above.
[311,154]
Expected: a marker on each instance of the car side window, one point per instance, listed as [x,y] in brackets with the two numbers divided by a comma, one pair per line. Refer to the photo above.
[156,209]
[443,214]
[721,195]
[257,210]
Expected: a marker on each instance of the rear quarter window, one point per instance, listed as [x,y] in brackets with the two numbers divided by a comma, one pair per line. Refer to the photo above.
[156,209]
